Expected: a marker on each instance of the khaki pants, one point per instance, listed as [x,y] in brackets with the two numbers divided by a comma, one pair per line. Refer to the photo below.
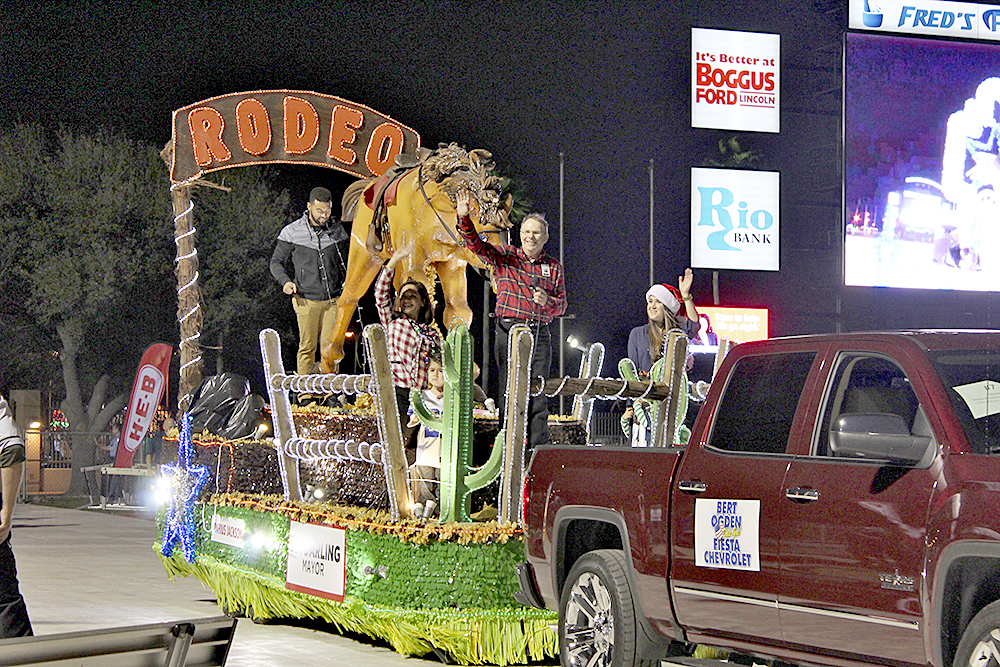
[316,320]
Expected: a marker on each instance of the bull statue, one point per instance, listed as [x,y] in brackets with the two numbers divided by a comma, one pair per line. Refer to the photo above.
[414,203]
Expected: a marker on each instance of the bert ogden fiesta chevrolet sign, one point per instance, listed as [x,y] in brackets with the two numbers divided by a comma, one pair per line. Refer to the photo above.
[727,534]
[939,18]
[735,79]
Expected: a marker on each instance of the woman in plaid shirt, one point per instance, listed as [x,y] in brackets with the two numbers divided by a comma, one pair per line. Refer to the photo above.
[411,335]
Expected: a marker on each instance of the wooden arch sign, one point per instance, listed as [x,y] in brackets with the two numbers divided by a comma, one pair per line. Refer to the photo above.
[285,126]
[262,127]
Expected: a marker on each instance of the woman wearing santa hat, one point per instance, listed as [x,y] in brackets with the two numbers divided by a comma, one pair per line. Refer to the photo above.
[667,307]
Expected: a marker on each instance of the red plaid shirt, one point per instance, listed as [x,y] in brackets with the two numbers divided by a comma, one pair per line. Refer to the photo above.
[409,343]
[516,274]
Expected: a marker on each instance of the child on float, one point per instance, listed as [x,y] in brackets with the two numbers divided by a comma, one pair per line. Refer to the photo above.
[425,473]
[667,307]
[411,336]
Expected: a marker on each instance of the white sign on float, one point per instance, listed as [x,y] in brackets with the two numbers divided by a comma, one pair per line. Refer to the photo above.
[727,534]
[228,530]
[317,560]
[735,80]
[734,219]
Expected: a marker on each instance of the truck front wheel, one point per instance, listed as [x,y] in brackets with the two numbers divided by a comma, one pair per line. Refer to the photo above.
[980,645]
[597,622]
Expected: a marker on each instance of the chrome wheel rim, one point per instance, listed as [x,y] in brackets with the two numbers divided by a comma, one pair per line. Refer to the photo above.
[589,634]
[987,651]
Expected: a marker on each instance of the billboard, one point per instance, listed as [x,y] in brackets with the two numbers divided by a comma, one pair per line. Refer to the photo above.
[735,80]
[740,325]
[934,18]
[921,131]
[734,219]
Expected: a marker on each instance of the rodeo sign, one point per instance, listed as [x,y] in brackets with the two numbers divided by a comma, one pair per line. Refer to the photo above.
[285,126]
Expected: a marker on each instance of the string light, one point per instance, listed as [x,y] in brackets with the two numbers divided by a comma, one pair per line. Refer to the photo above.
[186,482]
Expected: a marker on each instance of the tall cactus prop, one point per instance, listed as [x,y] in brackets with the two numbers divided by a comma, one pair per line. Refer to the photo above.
[455,426]
[660,372]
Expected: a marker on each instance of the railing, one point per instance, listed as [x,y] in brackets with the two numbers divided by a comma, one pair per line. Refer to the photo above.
[50,458]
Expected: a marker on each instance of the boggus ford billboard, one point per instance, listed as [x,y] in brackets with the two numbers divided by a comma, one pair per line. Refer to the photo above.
[734,219]
[735,80]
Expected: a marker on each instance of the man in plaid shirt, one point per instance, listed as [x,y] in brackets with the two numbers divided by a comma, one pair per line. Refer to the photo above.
[13,614]
[531,290]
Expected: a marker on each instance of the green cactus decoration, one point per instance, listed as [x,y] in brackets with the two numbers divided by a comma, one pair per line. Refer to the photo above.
[455,426]
[644,415]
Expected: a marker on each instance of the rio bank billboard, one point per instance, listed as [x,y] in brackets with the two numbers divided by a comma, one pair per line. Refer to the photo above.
[734,219]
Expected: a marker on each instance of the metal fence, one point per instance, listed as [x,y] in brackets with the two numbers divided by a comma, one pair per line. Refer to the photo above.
[606,428]
[56,447]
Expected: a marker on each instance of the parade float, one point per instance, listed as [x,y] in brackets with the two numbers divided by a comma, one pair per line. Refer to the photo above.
[318,521]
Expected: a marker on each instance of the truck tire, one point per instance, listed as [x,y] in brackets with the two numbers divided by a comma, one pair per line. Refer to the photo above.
[981,640]
[597,621]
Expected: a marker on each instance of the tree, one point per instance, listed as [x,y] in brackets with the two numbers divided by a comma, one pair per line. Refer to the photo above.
[236,235]
[88,229]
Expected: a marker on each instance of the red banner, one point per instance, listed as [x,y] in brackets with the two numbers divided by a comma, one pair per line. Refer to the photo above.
[147,390]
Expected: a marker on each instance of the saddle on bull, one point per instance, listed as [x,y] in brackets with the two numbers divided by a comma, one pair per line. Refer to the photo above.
[414,203]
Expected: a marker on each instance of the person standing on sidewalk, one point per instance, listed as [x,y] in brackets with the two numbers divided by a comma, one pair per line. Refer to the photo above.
[13,612]
[316,244]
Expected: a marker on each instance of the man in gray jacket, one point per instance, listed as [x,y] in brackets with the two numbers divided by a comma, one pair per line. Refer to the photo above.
[13,613]
[316,243]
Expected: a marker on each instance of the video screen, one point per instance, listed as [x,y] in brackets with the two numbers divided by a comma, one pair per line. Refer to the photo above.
[922,126]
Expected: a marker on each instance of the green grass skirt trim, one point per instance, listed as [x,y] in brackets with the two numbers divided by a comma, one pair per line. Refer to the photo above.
[471,636]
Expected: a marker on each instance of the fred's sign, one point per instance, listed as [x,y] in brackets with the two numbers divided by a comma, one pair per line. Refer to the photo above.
[285,126]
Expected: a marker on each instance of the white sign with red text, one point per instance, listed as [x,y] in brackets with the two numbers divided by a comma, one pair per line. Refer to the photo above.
[735,79]
[147,390]
[317,560]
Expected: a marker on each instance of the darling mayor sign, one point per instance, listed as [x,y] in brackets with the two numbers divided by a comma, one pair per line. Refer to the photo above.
[286,126]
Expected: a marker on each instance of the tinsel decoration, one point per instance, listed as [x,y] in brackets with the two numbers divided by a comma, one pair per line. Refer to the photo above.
[186,482]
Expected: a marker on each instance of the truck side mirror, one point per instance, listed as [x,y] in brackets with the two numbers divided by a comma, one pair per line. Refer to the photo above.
[876,436]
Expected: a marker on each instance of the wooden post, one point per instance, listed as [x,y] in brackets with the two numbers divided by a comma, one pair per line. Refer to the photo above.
[519,347]
[281,412]
[387,413]
[674,362]
[189,313]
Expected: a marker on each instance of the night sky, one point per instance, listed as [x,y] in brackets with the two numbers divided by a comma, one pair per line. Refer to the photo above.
[605,83]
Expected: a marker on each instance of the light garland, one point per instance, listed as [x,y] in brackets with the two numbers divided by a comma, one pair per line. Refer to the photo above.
[186,482]
[407,530]
[189,341]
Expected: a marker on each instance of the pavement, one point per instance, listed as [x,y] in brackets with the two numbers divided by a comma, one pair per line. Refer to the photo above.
[84,570]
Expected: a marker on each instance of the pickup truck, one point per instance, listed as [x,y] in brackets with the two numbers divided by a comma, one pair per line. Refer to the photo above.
[838,503]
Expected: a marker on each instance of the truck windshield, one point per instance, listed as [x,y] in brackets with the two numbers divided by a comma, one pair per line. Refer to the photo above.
[972,378]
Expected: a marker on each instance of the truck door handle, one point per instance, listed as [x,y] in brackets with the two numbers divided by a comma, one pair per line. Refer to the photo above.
[692,487]
[802,495]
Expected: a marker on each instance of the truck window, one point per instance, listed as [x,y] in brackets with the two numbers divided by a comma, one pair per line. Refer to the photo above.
[972,378]
[758,405]
[867,384]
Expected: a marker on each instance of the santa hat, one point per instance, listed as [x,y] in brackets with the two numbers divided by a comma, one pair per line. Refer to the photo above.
[668,295]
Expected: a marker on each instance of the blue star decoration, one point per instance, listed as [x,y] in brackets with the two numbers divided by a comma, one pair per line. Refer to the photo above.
[186,482]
